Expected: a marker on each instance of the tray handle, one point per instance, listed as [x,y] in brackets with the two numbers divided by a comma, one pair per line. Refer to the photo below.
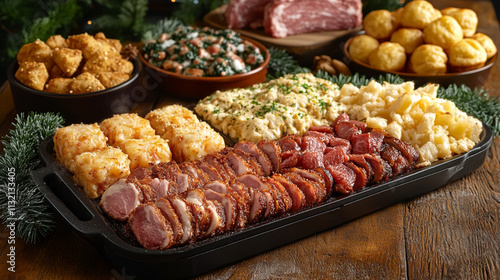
[75,209]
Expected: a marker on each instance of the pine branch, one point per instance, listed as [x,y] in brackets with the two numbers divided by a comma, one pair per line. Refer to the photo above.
[30,211]
[167,25]
[282,63]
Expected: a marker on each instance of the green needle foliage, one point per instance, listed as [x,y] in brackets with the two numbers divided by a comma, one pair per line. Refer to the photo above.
[31,212]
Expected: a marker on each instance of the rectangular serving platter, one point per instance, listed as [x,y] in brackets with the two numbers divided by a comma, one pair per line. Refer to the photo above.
[110,238]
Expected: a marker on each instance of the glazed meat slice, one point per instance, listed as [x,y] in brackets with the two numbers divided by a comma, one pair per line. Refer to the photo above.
[344,178]
[336,142]
[229,204]
[150,227]
[366,143]
[285,202]
[273,151]
[220,163]
[324,129]
[238,164]
[211,172]
[120,199]
[290,143]
[396,160]
[360,160]
[251,161]
[297,196]
[218,218]
[140,173]
[335,155]
[307,187]
[312,159]
[163,187]
[346,130]
[328,178]
[186,218]
[241,202]
[196,200]
[313,143]
[252,149]
[290,159]
[408,151]
[340,118]
[201,178]
[169,213]
[263,189]
[361,176]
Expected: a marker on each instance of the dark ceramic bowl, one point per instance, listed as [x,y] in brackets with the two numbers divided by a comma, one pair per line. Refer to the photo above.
[473,78]
[188,87]
[131,96]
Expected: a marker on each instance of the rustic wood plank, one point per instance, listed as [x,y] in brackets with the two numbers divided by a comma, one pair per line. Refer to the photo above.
[452,233]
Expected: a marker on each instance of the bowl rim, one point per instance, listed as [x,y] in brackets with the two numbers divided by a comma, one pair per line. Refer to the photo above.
[234,77]
[133,77]
[488,64]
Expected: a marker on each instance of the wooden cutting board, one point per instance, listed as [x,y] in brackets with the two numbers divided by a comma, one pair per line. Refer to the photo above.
[302,46]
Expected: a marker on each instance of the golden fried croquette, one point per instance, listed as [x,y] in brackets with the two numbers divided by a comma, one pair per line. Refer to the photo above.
[487,42]
[388,56]
[417,14]
[467,54]
[467,19]
[85,83]
[380,24]
[68,60]
[361,46]
[59,85]
[429,60]
[444,32]
[409,38]
[32,74]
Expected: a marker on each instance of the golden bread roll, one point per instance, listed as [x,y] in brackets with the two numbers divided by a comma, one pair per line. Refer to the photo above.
[409,38]
[448,11]
[388,56]
[418,14]
[428,59]
[361,46]
[487,42]
[397,15]
[444,32]
[467,54]
[467,19]
[379,24]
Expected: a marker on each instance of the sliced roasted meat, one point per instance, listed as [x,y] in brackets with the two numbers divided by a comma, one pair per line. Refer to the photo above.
[285,201]
[150,227]
[196,200]
[238,164]
[120,199]
[396,160]
[361,176]
[250,160]
[241,201]
[346,130]
[313,143]
[211,172]
[290,143]
[366,143]
[273,152]
[169,213]
[344,178]
[408,151]
[360,160]
[335,155]
[258,185]
[186,218]
[328,178]
[201,178]
[297,196]
[323,129]
[312,159]
[229,203]
[254,151]
[307,187]
[290,159]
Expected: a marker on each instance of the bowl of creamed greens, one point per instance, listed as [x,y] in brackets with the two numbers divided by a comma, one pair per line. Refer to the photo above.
[195,62]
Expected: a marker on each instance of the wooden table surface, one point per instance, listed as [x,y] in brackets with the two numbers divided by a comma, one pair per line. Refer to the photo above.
[450,233]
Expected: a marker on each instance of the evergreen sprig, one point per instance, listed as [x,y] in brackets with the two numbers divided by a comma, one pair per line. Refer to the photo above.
[282,63]
[192,11]
[475,102]
[167,25]
[30,210]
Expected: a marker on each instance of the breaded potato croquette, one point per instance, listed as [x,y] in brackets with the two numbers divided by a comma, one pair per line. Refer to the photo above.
[487,42]
[95,171]
[126,126]
[428,60]
[85,83]
[361,46]
[72,140]
[380,24]
[388,56]
[146,151]
[409,38]
[68,60]
[32,74]
[59,85]
[444,32]
[418,13]
[467,54]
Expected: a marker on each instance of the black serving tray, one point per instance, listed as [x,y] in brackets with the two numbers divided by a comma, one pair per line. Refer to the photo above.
[111,239]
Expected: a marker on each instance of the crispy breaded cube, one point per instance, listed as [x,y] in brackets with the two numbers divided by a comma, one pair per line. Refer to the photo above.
[111,79]
[56,72]
[115,43]
[126,126]
[124,66]
[89,45]
[85,83]
[68,60]
[103,61]
[95,171]
[37,51]
[57,41]
[146,151]
[72,140]
[59,85]
[170,116]
[32,74]
[192,142]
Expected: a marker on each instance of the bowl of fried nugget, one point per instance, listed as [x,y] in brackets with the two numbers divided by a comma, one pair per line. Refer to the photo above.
[421,43]
[85,78]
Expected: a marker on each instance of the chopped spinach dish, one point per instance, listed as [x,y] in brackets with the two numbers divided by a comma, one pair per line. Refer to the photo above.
[203,52]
